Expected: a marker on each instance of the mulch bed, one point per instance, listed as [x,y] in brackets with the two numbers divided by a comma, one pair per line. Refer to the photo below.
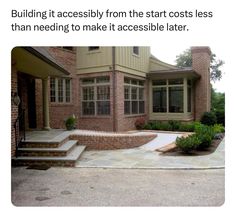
[211,149]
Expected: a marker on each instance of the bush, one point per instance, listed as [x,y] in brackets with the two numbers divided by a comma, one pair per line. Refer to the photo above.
[209,118]
[205,135]
[218,128]
[188,144]
[174,125]
[220,117]
[148,126]
[70,122]
[188,127]
[140,123]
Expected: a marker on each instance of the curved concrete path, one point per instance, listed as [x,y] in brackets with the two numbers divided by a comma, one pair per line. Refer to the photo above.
[145,157]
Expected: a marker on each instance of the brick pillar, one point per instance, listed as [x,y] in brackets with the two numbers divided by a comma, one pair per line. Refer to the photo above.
[201,58]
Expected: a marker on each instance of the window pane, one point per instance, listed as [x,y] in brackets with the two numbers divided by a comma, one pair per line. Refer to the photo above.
[92,48]
[126,93]
[88,108]
[87,81]
[159,100]
[53,90]
[176,100]
[134,93]
[141,107]
[68,90]
[127,107]
[134,82]
[141,83]
[159,82]
[127,80]
[175,81]
[134,107]
[88,93]
[189,82]
[60,90]
[136,50]
[103,79]
[141,91]
[103,107]
[103,93]
[189,99]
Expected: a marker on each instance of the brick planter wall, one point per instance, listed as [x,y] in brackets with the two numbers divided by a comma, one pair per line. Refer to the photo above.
[110,142]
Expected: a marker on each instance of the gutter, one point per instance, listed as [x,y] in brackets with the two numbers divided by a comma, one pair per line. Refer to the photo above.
[114,86]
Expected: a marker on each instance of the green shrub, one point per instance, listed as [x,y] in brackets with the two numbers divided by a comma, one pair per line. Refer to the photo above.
[220,117]
[209,118]
[70,123]
[218,128]
[186,127]
[205,134]
[188,144]
[148,126]
[174,125]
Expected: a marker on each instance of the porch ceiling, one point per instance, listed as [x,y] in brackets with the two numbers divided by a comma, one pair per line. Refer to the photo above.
[184,72]
[36,61]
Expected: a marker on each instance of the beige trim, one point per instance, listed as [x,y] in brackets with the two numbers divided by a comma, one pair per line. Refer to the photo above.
[185,116]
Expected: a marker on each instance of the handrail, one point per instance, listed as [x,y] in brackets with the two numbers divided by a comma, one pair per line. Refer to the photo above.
[19,127]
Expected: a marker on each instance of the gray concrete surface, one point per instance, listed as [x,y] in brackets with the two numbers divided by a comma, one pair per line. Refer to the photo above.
[117,187]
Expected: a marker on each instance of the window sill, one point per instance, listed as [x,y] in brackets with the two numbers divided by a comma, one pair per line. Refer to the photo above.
[61,104]
[134,115]
[95,117]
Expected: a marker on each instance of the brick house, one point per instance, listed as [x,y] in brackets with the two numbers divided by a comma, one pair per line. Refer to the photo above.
[106,88]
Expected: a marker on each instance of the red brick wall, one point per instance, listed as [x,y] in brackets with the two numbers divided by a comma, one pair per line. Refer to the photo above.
[201,64]
[58,112]
[127,122]
[109,142]
[102,123]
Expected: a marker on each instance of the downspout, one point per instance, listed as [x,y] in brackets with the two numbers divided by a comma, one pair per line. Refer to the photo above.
[114,86]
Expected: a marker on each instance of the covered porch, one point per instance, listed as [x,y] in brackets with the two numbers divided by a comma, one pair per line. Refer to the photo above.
[31,69]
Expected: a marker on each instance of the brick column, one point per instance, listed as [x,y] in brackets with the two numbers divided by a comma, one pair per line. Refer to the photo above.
[46,124]
[201,58]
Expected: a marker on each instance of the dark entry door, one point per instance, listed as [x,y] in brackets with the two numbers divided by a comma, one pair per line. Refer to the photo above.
[31,103]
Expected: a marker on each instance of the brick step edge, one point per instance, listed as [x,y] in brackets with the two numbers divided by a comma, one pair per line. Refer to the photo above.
[68,161]
[63,150]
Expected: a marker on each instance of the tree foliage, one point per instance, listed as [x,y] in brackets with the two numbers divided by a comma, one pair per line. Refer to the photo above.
[185,60]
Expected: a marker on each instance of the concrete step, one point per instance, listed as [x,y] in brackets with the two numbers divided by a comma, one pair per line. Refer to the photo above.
[68,160]
[62,150]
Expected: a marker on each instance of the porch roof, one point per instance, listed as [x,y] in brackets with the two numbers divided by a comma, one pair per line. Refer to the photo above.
[38,62]
[178,72]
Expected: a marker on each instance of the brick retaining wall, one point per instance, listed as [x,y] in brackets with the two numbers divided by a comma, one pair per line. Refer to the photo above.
[108,142]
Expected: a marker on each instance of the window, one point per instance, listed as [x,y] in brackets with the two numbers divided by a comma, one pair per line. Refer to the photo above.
[60,90]
[168,96]
[136,50]
[159,100]
[96,96]
[70,48]
[93,48]
[133,96]
[176,99]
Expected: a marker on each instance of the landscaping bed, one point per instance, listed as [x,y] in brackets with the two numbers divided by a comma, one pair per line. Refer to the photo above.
[175,151]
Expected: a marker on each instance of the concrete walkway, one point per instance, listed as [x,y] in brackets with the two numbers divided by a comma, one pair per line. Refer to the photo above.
[141,158]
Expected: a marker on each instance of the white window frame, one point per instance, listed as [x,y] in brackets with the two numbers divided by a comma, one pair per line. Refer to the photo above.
[63,90]
[130,86]
[95,85]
